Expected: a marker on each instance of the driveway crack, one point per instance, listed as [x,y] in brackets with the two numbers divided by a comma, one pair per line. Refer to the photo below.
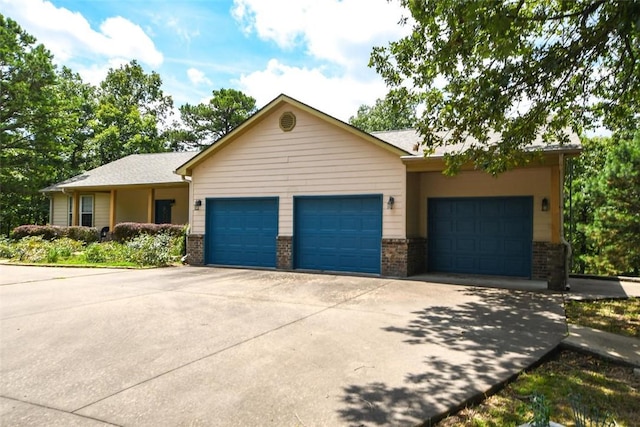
[59,410]
[237,344]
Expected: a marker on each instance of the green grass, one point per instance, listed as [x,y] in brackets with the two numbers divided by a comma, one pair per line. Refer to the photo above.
[611,387]
[620,316]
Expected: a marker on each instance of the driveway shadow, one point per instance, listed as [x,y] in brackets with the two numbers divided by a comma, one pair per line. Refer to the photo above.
[468,348]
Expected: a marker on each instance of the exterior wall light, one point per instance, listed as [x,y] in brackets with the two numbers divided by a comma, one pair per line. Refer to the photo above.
[197,204]
[545,204]
[390,202]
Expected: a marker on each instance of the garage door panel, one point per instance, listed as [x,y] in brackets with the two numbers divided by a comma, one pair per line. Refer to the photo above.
[491,235]
[241,232]
[465,245]
[347,238]
[465,226]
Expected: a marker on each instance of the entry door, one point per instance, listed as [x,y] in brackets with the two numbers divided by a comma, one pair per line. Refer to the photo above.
[163,211]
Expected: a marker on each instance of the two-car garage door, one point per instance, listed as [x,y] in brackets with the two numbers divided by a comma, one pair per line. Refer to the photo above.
[484,235]
[331,233]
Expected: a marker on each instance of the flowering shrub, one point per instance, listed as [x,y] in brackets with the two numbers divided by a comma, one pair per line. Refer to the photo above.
[144,250]
[151,250]
[126,231]
[6,248]
[52,232]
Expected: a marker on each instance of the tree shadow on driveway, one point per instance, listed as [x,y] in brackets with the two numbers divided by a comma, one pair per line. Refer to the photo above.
[467,348]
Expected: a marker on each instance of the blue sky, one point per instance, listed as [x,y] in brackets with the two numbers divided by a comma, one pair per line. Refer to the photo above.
[314,50]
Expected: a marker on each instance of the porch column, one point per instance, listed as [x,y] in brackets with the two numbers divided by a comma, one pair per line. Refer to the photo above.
[150,197]
[75,214]
[112,210]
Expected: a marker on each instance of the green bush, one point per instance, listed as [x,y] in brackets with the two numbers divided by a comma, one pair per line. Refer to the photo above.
[83,234]
[32,249]
[36,249]
[47,232]
[52,232]
[127,231]
[7,249]
[107,252]
[67,247]
[149,250]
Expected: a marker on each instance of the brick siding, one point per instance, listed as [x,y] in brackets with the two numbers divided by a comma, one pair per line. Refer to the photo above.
[195,249]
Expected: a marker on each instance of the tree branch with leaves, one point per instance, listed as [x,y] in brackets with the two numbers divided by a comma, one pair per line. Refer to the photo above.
[523,68]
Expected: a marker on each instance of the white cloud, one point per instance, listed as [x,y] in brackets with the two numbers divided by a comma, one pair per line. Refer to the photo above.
[338,96]
[339,31]
[96,73]
[68,35]
[197,77]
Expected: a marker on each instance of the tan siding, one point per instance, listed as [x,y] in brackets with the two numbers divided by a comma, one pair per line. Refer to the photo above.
[534,182]
[101,210]
[316,158]
[413,205]
[60,209]
[180,210]
[132,206]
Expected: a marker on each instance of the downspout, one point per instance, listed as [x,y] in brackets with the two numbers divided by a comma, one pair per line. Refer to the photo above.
[567,245]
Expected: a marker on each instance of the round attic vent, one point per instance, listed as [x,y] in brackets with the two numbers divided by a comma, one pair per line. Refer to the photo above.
[287,121]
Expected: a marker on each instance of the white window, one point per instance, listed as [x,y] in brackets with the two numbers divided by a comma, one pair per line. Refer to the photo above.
[86,211]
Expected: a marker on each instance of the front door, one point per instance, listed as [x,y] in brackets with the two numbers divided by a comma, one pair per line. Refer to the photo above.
[163,211]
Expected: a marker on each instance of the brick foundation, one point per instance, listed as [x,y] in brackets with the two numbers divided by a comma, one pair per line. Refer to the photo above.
[284,255]
[549,263]
[402,257]
[195,249]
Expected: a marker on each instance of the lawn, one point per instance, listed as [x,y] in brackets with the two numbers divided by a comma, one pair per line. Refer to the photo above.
[609,387]
[620,316]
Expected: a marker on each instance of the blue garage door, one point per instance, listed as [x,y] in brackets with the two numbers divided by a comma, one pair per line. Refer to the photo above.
[338,233]
[241,232]
[488,235]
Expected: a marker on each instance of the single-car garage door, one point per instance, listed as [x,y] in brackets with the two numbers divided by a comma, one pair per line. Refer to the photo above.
[486,235]
[241,231]
[338,233]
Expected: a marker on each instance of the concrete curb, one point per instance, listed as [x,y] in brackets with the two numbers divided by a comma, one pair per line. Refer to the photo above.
[608,346]
[607,278]
[494,389]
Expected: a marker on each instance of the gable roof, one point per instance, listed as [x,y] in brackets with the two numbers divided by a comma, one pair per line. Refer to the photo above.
[187,167]
[135,169]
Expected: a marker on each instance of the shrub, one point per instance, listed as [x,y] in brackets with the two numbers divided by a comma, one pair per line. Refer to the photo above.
[32,249]
[52,232]
[47,232]
[126,231]
[95,253]
[7,249]
[67,246]
[83,234]
[147,250]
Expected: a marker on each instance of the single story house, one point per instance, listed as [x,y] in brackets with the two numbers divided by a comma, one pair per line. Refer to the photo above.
[293,188]
[136,188]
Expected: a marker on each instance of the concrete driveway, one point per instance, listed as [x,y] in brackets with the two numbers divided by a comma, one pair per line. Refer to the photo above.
[212,346]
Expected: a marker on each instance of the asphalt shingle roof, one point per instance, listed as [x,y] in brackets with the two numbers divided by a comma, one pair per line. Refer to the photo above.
[409,140]
[135,169]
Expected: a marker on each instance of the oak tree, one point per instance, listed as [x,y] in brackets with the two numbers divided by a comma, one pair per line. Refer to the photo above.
[523,68]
